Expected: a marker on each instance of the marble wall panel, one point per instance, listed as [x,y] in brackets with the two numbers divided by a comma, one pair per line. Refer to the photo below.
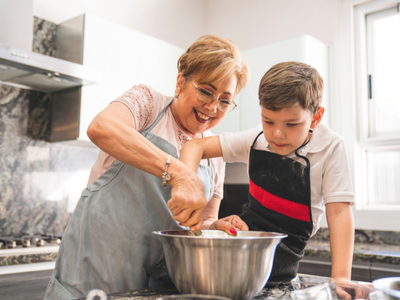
[40,182]
[44,37]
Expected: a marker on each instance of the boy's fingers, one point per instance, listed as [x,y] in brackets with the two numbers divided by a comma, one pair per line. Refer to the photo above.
[224,225]
[239,223]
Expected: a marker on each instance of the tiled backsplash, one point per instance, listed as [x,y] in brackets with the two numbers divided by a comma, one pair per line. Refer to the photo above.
[40,182]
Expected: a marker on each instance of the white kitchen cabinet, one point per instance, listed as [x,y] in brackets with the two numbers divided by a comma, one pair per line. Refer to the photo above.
[304,49]
[125,57]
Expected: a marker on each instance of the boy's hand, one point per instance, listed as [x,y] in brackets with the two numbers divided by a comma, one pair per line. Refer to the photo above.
[187,201]
[348,290]
[230,225]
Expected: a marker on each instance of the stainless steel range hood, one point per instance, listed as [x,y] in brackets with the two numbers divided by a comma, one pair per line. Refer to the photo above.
[53,116]
[44,73]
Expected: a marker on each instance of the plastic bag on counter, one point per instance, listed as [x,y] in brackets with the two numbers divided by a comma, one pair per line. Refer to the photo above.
[329,291]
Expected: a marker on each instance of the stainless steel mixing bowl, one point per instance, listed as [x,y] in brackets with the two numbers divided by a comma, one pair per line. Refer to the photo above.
[237,267]
[390,286]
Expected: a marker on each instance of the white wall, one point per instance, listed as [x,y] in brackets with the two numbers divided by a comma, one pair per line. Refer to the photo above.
[253,23]
[16,23]
[138,58]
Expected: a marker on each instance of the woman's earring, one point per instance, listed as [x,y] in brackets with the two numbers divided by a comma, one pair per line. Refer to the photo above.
[176,95]
[311,131]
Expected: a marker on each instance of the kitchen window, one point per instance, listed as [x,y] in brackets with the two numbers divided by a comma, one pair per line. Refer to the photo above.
[377,51]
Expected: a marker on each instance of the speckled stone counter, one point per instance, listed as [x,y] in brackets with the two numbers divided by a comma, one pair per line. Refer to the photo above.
[369,246]
[157,292]
[27,255]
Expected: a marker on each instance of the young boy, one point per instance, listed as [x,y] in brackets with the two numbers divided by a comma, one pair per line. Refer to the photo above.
[296,166]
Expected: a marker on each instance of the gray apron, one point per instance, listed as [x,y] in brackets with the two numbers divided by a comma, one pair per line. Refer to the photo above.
[108,243]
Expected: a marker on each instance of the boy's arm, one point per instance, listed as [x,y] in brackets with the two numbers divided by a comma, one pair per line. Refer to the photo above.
[192,153]
[197,149]
[341,230]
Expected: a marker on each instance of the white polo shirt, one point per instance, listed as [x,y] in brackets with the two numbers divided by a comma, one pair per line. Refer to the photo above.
[329,175]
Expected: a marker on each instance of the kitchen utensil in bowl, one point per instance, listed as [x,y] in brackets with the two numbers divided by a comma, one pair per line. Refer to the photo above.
[237,267]
[390,286]
[197,232]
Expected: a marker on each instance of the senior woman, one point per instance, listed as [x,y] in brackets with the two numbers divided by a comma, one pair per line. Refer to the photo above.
[137,183]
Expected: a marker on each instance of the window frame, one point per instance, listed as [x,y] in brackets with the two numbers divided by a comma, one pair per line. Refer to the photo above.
[364,142]
[369,19]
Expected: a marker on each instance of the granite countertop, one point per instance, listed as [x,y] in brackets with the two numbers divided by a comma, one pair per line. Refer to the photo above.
[369,246]
[157,292]
[28,255]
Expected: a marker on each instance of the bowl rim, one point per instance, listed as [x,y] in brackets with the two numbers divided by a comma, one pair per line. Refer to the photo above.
[227,237]
[377,285]
[178,296]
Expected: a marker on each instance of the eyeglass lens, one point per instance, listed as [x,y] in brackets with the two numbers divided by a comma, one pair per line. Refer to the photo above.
[207,97]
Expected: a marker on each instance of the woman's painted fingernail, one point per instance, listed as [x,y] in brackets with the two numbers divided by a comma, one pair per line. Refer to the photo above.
[233,231]
[181,224]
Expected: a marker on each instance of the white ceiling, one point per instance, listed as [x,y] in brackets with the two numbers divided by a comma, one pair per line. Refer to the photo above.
[178,22]
[58,11]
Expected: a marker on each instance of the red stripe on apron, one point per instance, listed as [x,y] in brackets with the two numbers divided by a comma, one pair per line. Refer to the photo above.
[283,206]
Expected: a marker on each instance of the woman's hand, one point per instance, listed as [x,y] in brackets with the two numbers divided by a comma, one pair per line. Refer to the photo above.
[187,201]
[230,225]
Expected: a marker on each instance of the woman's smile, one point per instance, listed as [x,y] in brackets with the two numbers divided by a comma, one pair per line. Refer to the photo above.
[202,118]
[195,116]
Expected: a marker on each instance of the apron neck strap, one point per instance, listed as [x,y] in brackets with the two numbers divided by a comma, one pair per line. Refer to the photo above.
[255,140]
[301,156]
[295,152]
[160,115]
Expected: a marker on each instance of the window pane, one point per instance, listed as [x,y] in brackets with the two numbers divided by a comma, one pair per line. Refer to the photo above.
[386,73]
[383,177]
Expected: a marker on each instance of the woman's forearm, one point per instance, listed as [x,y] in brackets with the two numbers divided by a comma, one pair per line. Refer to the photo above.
[126,144]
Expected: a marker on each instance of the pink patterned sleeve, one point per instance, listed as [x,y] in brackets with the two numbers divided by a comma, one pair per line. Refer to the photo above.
[140,102]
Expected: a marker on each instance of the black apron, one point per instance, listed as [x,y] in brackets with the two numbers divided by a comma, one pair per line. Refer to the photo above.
[280,201]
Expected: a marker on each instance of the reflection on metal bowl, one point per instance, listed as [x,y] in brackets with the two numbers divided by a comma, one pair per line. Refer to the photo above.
[390,286]
[237,267]
[192,297]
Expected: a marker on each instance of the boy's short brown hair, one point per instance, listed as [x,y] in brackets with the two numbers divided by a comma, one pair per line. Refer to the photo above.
[291,83]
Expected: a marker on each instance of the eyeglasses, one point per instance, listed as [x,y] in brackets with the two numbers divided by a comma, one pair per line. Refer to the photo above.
[206,96]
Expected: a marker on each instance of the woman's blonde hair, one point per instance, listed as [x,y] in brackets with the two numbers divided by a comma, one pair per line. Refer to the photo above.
[213,59]
[291,83]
